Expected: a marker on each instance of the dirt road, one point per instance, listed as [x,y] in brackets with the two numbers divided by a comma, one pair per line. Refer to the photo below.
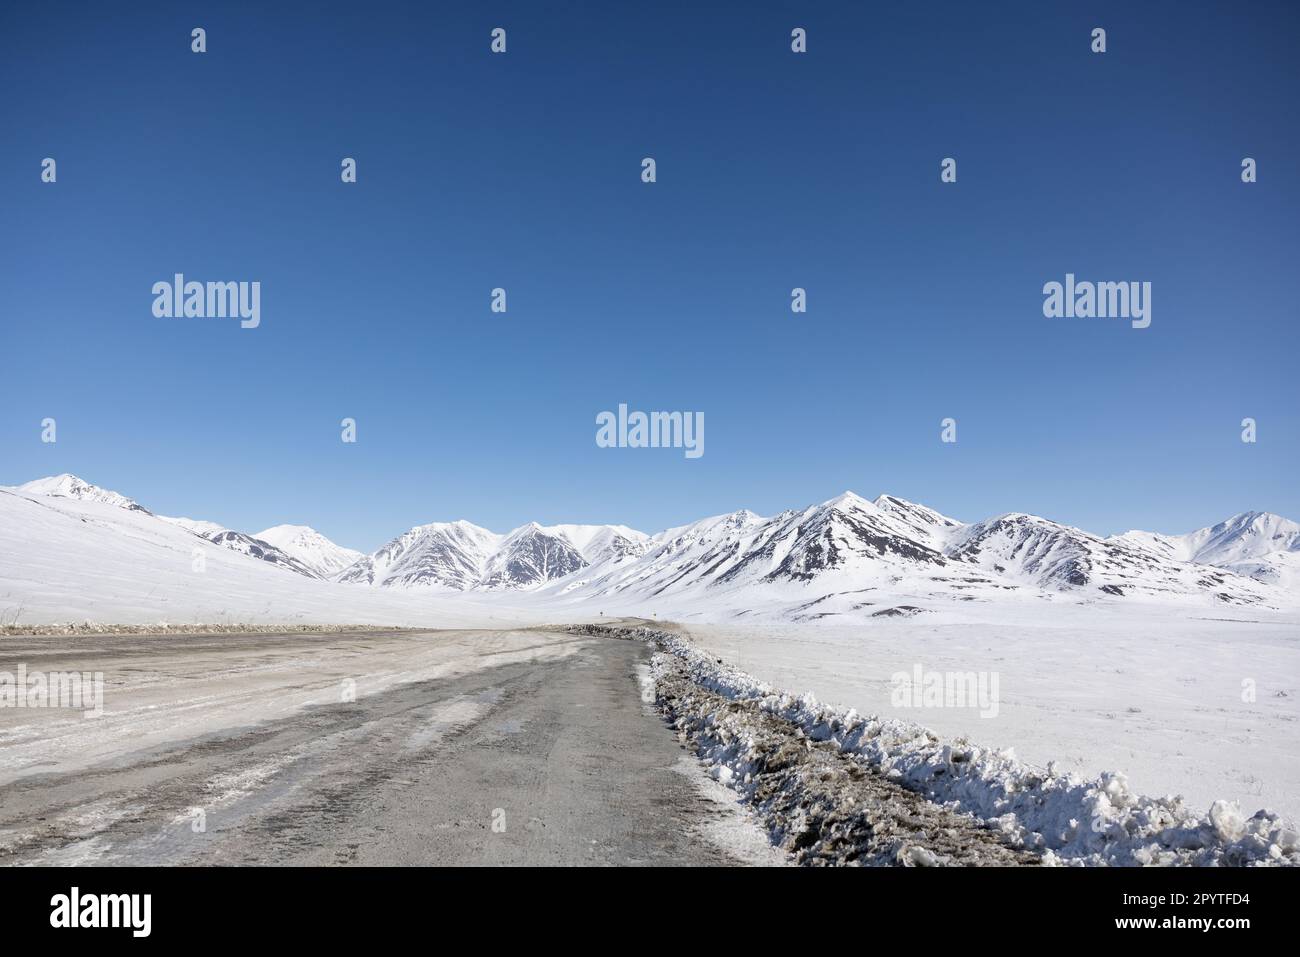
[521,747]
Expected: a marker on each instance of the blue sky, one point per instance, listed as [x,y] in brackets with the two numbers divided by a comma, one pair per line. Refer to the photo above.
[775,170]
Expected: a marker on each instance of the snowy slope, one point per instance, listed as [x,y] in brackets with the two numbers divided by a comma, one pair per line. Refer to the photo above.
[310,547]
[72,487]
[925,524]
[69,560]
[196,525]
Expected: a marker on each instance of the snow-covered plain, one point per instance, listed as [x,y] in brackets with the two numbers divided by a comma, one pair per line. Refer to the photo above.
[1069,818]
[1197,703]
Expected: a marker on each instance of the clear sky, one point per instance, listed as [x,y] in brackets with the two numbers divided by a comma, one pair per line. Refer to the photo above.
[775,170]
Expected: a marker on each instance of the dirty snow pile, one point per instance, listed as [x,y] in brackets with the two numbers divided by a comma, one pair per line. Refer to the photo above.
[1066,818]
[819,804]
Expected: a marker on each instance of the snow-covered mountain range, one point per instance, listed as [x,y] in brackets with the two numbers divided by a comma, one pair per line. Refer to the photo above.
[461,555]
[1257,544]
[847,556]
[843,551]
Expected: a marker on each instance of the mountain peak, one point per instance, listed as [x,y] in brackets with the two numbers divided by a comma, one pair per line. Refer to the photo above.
[67,485]
[848,499]
[288,530]
[1257,519]
[848,495]
[304,543]
[459,525]
[1246,536]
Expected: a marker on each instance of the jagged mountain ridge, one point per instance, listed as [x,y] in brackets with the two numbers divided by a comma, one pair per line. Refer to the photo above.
[1035,551]
[847,545]
[852,545]
[462,556]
